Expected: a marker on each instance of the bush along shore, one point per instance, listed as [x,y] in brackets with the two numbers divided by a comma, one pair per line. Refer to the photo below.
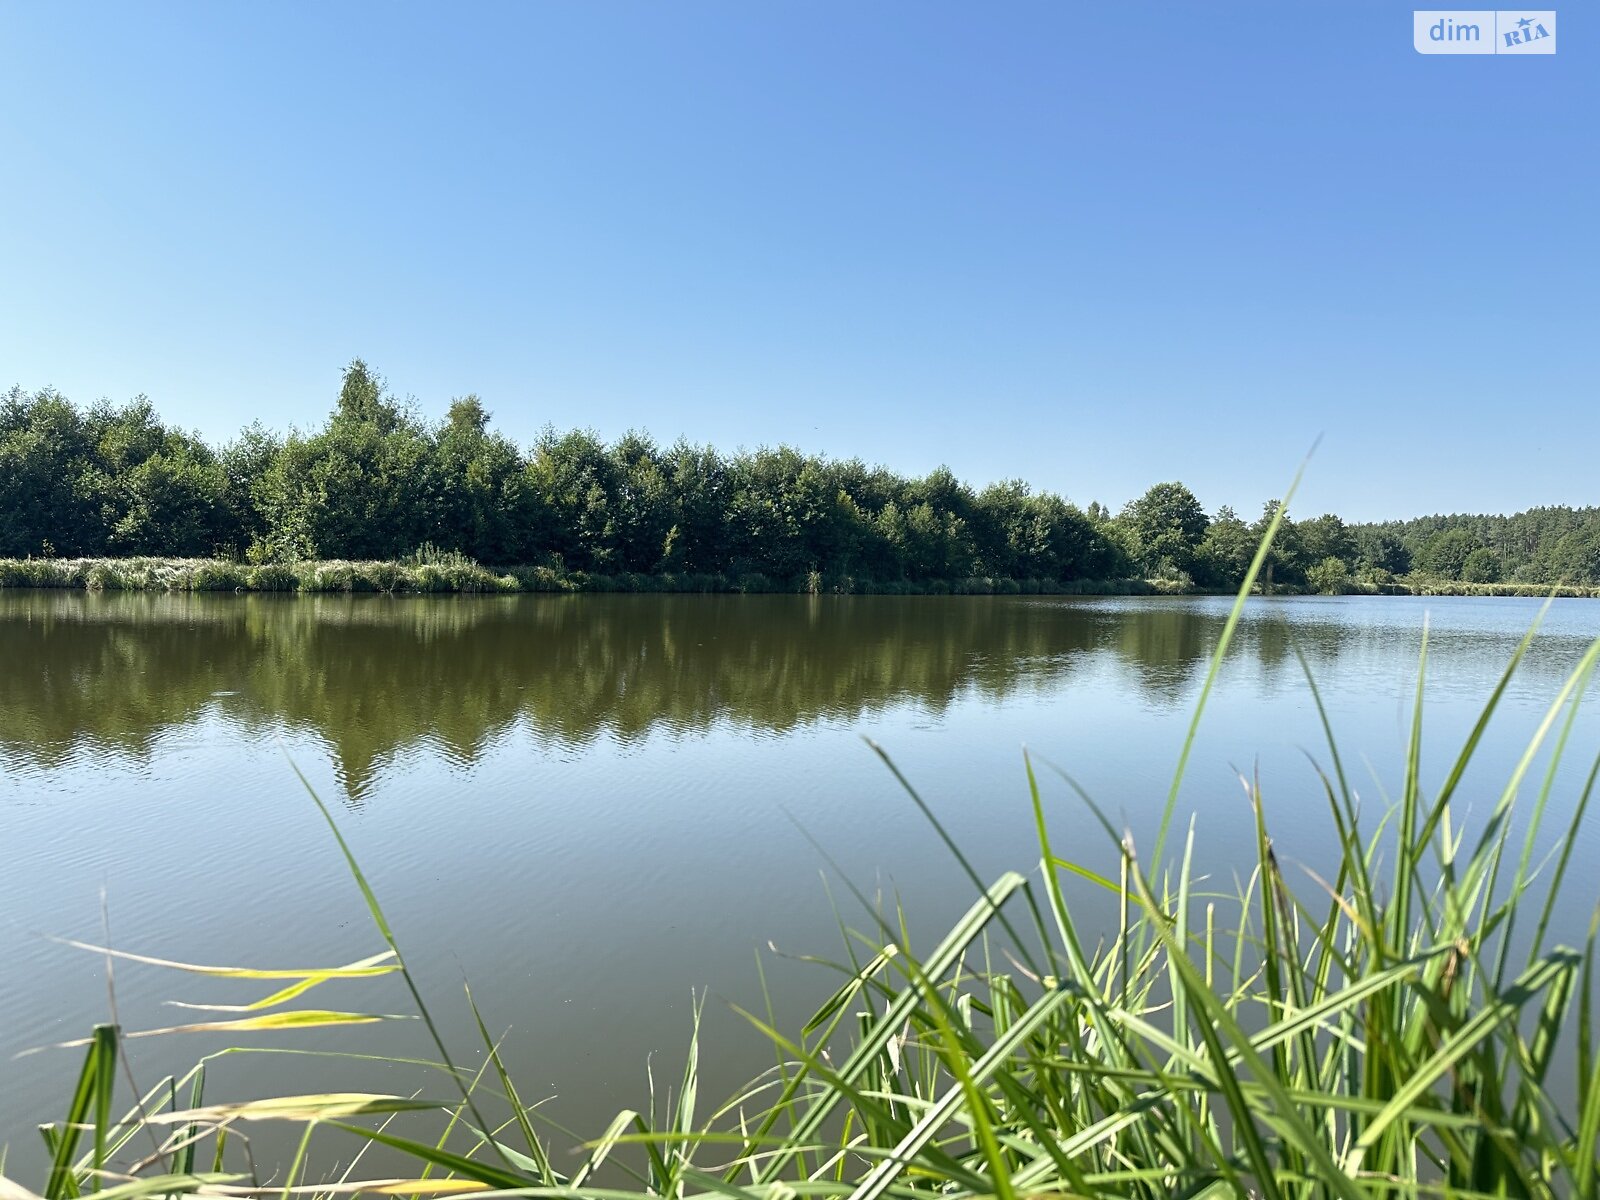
[1402,1024]
[451,573]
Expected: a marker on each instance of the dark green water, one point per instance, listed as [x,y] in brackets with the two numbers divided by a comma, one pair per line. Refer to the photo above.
[591,805]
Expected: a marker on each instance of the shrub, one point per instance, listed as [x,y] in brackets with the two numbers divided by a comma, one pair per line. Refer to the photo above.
[430,555]
[754,582]
[272,577]
[1329,577]
[383,576]
[106,577]
[470,577]
[1170,587]
[428,578]
[1481,566]
[541,579]
[329,577]
[41,573]
[219,577]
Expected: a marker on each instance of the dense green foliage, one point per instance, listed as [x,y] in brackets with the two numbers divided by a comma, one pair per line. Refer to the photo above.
[1542,544]
[377,482]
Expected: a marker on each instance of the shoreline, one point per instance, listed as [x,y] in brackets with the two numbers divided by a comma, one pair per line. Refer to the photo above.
[454,575]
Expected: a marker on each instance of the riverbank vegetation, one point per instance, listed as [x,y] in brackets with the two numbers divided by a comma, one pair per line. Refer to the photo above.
[378,498]
[1400,1024]
[429,572]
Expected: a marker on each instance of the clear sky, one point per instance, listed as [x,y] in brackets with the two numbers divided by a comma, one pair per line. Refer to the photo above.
[1093,246]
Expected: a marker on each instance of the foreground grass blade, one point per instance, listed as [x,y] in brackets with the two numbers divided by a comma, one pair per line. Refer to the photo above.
[375,910]
[943,958]
[1263,551]
[89,1108]
[885,1173]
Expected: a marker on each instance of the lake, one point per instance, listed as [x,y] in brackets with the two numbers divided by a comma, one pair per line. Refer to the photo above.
[591,806]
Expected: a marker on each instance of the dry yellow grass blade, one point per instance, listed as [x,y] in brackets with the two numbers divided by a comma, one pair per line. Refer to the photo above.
[378,1187]
[365,968]
[10,1189]
[322,1106]
[300,1018]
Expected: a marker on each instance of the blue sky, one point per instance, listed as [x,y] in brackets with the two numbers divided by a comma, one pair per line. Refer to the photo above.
[1093,246]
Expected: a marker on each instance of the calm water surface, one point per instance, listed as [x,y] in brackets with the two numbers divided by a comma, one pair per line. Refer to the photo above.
[591,806]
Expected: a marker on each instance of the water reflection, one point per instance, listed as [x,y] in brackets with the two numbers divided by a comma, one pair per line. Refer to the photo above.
[373,676]
[587,805]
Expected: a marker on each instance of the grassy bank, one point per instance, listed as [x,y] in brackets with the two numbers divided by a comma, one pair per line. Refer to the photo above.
[1428,585]
[1418,586]
[1400,1026]
[449,573]
[454,573]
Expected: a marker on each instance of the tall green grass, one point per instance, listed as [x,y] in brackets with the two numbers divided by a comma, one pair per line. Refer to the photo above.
[448,573]
[430,571]
[1397,1028]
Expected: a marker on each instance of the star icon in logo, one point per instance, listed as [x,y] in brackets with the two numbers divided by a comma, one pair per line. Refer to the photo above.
[1525,22]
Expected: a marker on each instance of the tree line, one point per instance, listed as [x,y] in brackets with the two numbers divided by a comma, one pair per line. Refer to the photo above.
[378,481]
